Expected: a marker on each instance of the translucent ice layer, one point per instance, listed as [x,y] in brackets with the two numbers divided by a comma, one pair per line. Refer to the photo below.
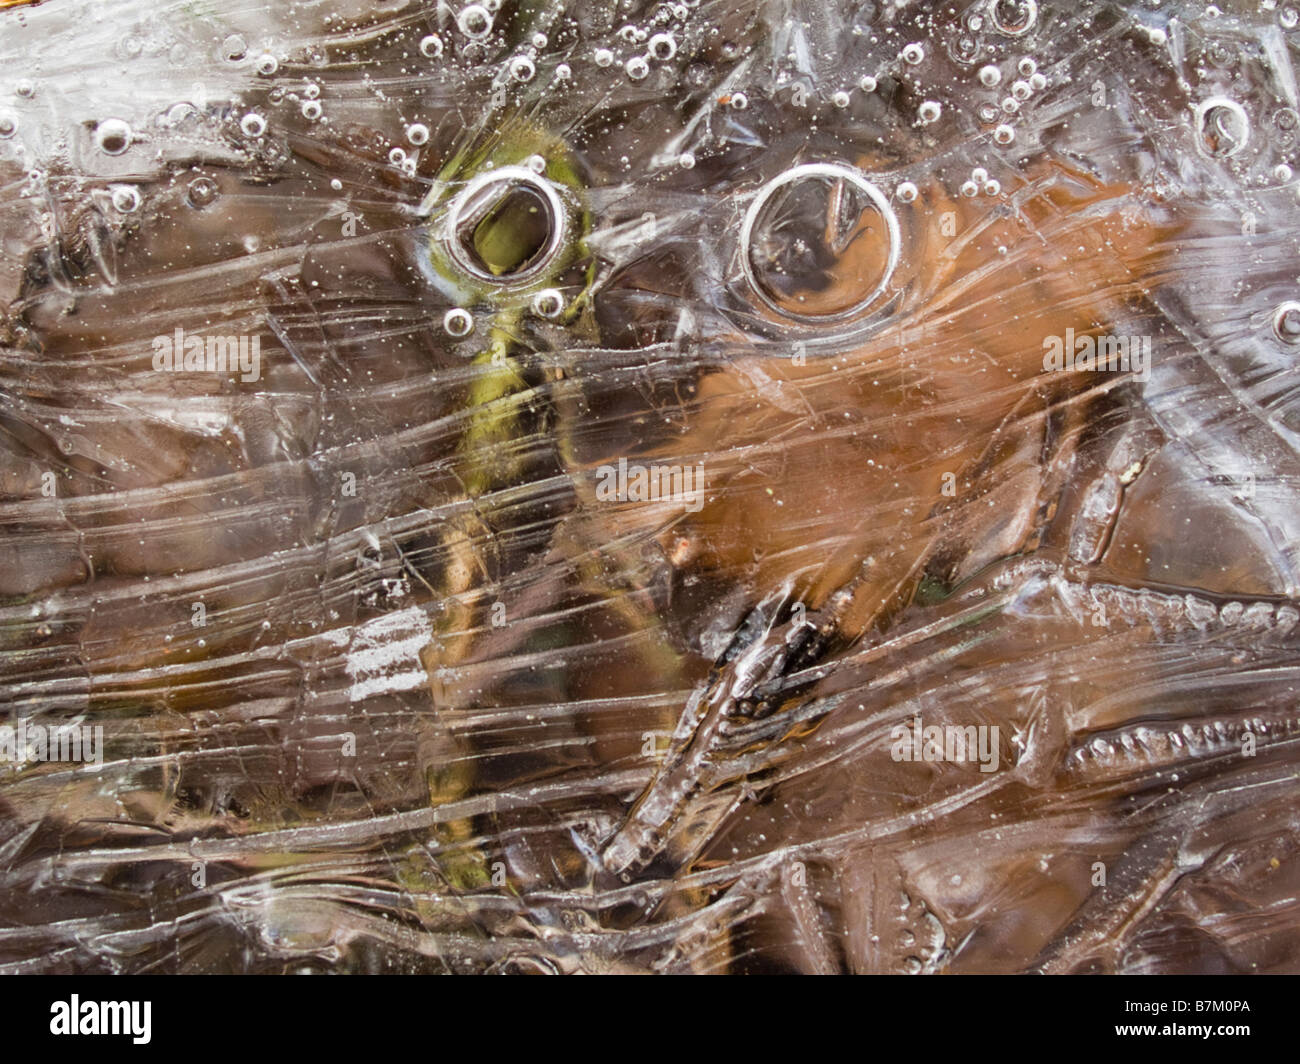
[649,487]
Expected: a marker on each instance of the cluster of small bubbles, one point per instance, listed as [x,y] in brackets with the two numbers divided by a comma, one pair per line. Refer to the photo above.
[233,48]
[739,101]
[522,68]
[267,64]
[686,160]
[663,46]
[201,192]
[604,57]
[431,46]
[840,99]
[562,72]
[548,303]
[637,68]
[311,109]
[867,83]
[458,322]
[417,133]
[906,192]
[475,22]
[913,53]
[1004,134]
[396,156]
[536,164]
[990,76]
[113,136]
[125,198]
[980,182]
[8,126]
[929,112]
[252,125]
[1286,323]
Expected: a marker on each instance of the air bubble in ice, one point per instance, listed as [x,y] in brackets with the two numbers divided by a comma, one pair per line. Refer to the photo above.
[1289,18]
[1004,134]
[1037,82]
[458,322]
[25,88]
[1282,173]
[536,164]
[201,192]
[969,189]
[8,126]
[267,64]
[992,187]
[796,235]
[431,46]
[1013,18]
[1027,67]
[637,68]
[1222,127]
[311,109]
[522,68]
[913,53]
[397,156]
[604,57]
[929,112]
[548,303]
[686,160]
[840,99]
[125,198]
[540,40]
[563,72]
[1286,323]
[906,192]
[663,46]
[234,48]
[113,136]
[1021,90]
[252,125]
[417,133]
[739,101]
[867,83]
[990,76]
[474,22]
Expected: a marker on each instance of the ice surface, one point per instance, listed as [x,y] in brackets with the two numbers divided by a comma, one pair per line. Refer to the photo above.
[647,429]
